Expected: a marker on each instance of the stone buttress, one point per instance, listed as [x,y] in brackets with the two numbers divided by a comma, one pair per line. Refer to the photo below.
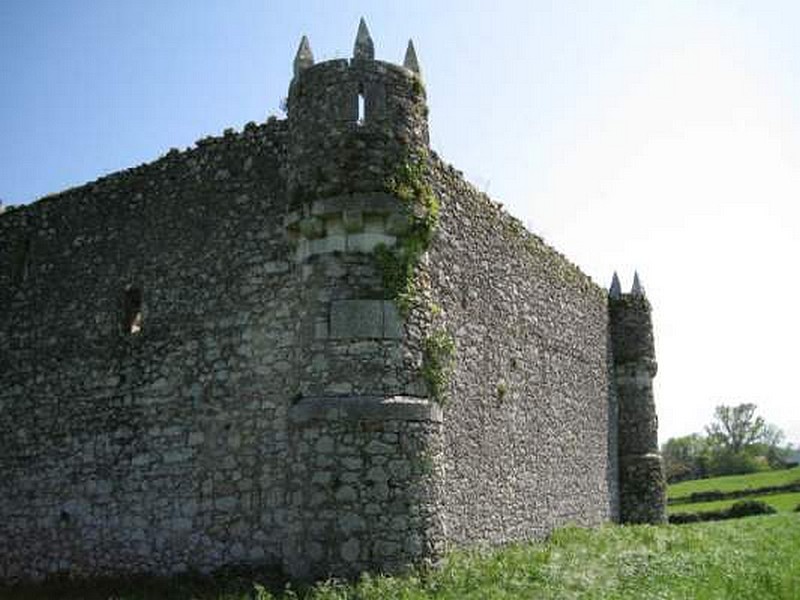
[641,475]
[363,437]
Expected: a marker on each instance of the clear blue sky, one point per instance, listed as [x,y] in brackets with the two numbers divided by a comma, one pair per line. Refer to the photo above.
[663,136]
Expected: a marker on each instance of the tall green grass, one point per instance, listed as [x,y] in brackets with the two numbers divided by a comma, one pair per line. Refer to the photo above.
[750,558]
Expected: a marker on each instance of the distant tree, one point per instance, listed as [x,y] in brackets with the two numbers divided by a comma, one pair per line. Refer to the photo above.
[737,427]
[742,442]
[737,441]
[685,457]
[724,462]
[772,448]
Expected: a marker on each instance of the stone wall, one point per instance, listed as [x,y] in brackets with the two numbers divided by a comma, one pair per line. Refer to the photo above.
[190,382]
[530,416]
[158,447]
[364,485]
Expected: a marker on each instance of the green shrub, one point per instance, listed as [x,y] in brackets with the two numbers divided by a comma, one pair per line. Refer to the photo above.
[687,517]
[735,463]
[746,508]
[709,496]
[742,508]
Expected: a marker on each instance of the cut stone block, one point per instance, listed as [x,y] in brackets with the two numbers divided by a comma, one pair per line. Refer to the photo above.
[397,223]
[312,227]
[356,319]
[365,319]
[274,267]
[374,224]
[303,250]
[392,321]
[353,221]
[367,242]
[335,226]
[326,245]
[320,329]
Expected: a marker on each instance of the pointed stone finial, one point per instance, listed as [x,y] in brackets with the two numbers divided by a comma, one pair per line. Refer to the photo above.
[364,48]
[410,62]
[615,291]
[638,288]
[304,57]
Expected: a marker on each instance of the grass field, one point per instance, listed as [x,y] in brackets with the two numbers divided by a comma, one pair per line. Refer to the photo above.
[755,557]
[780,502]
[735,482]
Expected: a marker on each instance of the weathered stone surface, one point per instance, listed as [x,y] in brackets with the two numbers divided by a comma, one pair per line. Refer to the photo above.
[353,221]
[304,57]
[642,489]
[364,48]
[641,477]
[528,323]
[392,321]
[410,61]
[365,319]
[615,291]
[637,289]
[357,319]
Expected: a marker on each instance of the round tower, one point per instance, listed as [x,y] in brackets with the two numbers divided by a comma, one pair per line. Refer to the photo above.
[351,122]
[641,475]
[360,403]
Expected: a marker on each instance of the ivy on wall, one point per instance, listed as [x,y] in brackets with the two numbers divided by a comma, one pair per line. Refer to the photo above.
[409,183]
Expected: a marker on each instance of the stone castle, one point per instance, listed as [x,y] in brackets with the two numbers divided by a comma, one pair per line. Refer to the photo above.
[312,345]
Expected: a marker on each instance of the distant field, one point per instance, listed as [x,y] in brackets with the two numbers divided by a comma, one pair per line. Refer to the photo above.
[780,502]
[734,482]
[749,558]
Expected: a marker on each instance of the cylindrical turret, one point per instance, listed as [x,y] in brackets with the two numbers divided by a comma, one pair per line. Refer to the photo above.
[351,122]
[641,475]
[359,409]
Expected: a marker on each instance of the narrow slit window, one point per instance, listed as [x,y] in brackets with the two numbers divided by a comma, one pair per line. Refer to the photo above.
[362,108]
[22,261]
[133,311]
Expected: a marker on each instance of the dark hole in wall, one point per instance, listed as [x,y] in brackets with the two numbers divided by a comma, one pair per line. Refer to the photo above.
[22,257]
[132,311]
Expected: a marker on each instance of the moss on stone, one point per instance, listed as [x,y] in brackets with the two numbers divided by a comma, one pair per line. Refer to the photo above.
[418,87]
[438,361]
[502,391]
[398,264]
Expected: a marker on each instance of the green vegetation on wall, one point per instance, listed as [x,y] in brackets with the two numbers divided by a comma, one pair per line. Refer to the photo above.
[409,183]
[398,264]
[438,358]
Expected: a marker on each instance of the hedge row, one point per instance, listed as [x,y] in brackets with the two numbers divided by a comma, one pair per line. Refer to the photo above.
[744,508]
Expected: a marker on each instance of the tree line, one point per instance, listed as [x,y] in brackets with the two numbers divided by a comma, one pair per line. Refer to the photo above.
[736,441]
